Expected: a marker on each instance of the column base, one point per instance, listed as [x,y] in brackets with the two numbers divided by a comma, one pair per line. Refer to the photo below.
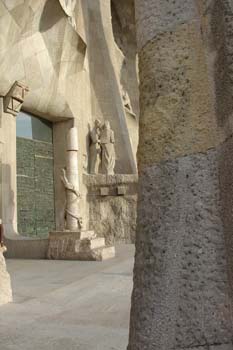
[78,245]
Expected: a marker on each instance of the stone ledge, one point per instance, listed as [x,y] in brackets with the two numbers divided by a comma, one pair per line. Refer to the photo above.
[111,185]
[109,180]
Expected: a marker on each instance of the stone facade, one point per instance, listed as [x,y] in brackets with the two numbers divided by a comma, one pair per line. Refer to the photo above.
[74,67]
[182,296]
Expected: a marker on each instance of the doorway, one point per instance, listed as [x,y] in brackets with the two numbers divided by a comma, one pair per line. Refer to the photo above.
[35,175]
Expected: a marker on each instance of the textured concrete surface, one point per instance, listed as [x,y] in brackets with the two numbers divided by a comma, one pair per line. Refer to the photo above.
[68,305]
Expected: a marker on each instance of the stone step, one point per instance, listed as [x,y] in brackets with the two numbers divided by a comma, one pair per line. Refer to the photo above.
[104,253]
[97,243]
[87,234]
[89,244]
[97,254]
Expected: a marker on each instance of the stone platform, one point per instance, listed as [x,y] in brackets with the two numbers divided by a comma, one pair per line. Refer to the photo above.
[83,245]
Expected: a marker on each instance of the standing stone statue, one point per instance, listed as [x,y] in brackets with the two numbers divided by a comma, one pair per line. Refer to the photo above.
[73,191]
[126,101]
[95,148]
[69,8]
[70,179]
[108,156]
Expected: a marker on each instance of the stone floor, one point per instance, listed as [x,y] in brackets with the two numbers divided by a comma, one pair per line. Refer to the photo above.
[63,305]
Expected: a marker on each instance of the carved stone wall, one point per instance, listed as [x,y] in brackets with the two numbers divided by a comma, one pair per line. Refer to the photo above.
[112,206]
[73,74]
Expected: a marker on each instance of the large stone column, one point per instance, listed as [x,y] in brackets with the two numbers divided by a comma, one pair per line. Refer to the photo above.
[5,282]
[182,296]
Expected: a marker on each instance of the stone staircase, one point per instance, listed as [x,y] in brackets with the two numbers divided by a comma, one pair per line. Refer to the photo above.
[83,245]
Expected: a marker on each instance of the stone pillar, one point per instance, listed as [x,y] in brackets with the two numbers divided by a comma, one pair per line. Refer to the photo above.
[182,296]
[72,212]
[10,106]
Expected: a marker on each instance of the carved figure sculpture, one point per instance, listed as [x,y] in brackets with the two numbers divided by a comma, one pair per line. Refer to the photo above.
[68,7]
[72,189]
[95,148]
[107,141]
[70,179]
[126,101]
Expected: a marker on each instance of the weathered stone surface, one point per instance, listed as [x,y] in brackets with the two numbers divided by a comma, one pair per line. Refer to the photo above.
[217,17]
[5,284]
[157,16]
[211,347]
[113,206]
[102,180]
[181,292]
[177,114]
[221,347]
[114,217]
[226,185]
[182,297]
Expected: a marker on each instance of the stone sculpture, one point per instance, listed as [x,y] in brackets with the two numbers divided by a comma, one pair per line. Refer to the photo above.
[70,181]
[14,99]
[68,7]
[126,101]
[95,148]
[74,242]
[107,141]
[70,187]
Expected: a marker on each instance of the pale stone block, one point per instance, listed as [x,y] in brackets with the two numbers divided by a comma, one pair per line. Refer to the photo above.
[104,191]
[5,284]
[94,243]
[68,245]
[121,190]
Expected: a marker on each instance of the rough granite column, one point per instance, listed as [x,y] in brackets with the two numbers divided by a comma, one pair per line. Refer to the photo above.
[182,296]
